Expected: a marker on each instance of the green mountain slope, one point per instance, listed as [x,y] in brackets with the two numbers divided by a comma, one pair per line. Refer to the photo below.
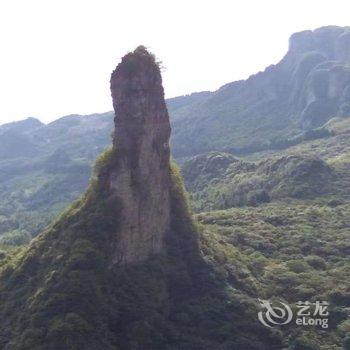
[314,169]
[61,293]
[43,168]
[295,250]
[286,215]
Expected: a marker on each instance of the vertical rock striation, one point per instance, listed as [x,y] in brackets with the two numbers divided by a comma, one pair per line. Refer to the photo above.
[141,175]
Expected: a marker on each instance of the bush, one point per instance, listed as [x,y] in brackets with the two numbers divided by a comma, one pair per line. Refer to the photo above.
[303,343]
[316,262]
[16,237]
[346,342]
[297,266]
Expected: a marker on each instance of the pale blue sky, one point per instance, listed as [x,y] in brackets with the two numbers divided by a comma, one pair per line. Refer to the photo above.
[57,55]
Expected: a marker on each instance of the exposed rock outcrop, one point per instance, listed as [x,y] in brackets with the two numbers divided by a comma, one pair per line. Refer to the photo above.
[273,109]
[322,74]
[141,175]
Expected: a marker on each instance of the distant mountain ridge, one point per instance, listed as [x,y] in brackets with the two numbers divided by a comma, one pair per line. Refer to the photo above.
[25,125]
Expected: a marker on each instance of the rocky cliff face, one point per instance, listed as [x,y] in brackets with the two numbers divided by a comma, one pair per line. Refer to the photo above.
[141,175]
[321,75]
[332,41]
[273,108]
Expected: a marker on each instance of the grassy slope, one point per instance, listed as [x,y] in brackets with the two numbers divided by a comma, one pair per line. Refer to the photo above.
[292,251]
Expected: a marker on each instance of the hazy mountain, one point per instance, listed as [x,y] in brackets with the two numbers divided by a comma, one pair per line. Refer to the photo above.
[303,91]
